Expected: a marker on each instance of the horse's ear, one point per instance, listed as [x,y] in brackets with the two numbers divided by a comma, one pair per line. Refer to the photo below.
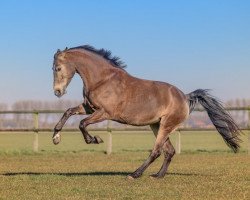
[58,51]
[66,49]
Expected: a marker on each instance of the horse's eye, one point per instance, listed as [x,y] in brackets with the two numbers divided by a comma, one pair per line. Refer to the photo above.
[58,69]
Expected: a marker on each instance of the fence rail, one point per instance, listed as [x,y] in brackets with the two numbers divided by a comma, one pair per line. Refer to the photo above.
[109,129]
[61,111]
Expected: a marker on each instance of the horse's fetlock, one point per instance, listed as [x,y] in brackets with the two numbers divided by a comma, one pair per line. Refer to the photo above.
[88,139]
[57,129]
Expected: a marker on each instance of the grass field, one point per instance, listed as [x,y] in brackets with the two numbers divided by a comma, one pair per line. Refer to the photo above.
[94,175]
[74,170]
[191,142]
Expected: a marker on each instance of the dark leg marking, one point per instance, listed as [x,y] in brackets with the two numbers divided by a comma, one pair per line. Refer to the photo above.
[162,136]
[96,117]
[169,152]
[162,131]
[154,154]
[79,110]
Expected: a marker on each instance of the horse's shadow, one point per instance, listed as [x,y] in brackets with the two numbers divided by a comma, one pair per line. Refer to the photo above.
[72,174]
[67,173]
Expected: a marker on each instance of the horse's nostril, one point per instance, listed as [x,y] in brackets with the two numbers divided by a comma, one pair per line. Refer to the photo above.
[58,93]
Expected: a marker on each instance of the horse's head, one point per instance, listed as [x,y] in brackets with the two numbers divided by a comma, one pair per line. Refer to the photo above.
[63,70]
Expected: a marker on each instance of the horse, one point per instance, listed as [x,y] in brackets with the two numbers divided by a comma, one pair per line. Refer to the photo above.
[111,93]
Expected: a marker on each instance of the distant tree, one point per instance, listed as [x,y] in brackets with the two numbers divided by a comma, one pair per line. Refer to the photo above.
[229,103]
[45,120]
[197,119]
[3,107]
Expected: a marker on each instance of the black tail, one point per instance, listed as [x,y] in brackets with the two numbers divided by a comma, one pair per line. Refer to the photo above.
[221,119]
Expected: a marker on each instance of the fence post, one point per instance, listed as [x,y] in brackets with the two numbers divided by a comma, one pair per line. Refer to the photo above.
[109,139]
[178,142]
[248,126]
[249,144]
[35,141]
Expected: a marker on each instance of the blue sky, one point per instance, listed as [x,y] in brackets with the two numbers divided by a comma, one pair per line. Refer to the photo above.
[191,44]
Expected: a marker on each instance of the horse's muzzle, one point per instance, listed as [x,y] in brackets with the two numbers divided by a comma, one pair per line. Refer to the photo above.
[58,93]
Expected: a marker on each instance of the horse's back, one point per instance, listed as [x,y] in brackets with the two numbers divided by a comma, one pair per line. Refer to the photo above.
[145,101]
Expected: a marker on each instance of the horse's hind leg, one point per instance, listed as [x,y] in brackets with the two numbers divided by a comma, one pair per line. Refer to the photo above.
[155,128]
[163,133]
[169,152]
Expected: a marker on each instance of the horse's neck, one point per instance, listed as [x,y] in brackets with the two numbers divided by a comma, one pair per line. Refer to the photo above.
[93,74]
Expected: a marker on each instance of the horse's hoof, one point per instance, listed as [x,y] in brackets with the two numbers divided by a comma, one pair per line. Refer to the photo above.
[98,140]
[129,177]
[57,138]
[156,176]
[133,176]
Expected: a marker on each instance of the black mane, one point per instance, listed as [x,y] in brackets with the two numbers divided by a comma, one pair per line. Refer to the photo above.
[114,60]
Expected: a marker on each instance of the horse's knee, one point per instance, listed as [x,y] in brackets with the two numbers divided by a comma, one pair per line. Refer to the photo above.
[69,112]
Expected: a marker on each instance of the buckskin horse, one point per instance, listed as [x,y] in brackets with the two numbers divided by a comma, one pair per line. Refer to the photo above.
[110,93]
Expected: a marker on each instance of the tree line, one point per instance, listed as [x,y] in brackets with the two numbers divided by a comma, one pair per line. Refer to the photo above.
[197,119]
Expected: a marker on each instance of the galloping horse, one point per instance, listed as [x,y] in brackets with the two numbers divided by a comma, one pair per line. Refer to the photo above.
[110,93]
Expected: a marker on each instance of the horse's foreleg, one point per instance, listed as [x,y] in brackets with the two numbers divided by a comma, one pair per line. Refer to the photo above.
[97,116]
[78,110]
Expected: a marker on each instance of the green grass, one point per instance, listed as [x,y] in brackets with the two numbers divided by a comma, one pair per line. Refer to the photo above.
[206,169]
[94,175]
[192,142]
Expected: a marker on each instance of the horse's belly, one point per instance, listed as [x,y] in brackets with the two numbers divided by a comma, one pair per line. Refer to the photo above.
[140,115]
[137,120]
